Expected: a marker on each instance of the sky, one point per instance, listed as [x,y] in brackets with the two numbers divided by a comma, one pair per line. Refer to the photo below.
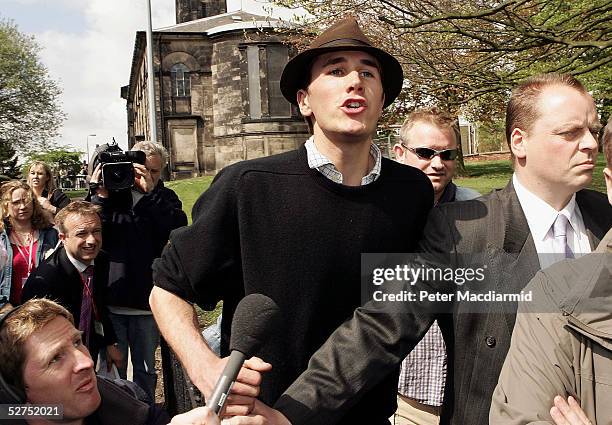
[87,46]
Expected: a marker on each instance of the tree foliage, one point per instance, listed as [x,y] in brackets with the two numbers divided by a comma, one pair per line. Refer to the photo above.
[63,161]
[8,161]
[30,112]
[466,56]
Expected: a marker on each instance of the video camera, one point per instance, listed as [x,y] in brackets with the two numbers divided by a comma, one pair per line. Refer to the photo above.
[117,168]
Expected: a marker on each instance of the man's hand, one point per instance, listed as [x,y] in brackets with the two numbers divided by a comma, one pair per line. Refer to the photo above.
[96,179]
[261,415]
[197,416]
[113,355]
[568,412]
[245,389]
[142,178]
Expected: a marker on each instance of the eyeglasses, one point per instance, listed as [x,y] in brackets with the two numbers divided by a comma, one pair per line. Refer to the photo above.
[427,153]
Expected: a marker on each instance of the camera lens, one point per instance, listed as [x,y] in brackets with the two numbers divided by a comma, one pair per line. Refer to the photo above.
[118,176]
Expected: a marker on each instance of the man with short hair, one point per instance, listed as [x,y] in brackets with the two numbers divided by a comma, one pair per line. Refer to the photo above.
[428,142]
[551,123]
[136,223]
[293,226]
[560,345]
[76,275]
[43,360]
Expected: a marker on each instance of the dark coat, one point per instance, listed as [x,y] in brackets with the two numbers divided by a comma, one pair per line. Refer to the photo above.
[59,280]
[58,198]
[122,405]
[366,348]
[133,236]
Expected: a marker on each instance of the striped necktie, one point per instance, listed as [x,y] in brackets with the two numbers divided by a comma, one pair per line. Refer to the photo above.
[86,304]
[561,227]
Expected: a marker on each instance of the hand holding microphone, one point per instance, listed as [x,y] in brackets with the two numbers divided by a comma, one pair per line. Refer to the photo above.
[256,317]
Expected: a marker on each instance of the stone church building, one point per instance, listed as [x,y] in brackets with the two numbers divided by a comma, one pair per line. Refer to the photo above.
[217,89]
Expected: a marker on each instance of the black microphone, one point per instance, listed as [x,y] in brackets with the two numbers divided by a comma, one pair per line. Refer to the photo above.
[255,317]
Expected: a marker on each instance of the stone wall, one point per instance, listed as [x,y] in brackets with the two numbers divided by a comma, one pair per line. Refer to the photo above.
[190,10]
[211,128]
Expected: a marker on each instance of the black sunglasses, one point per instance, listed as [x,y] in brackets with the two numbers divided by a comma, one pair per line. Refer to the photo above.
[427,153]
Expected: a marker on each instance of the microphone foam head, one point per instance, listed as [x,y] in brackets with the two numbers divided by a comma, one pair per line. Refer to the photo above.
[256,317]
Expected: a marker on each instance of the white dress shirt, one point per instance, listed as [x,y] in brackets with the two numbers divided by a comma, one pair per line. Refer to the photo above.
[79,265]
[541,217]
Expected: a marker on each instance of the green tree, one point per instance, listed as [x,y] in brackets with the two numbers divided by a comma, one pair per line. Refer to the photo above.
[8,161]
[63,161]
[466,56]
[30,112]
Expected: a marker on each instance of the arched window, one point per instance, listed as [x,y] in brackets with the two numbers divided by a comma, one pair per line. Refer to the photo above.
[181,83]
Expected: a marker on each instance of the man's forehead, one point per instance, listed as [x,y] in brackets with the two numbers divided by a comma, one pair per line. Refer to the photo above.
[339,56]
[77,220]
[555,97]
[153,158]
[427,134]
[49,338]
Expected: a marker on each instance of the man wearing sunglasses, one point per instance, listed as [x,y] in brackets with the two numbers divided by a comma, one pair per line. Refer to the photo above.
[428,142]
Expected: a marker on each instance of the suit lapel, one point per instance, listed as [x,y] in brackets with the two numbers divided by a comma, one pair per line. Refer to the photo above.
[73,283]
[519,260]
[71,271]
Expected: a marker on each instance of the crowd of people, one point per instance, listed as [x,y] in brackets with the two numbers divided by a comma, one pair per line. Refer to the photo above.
[294,227]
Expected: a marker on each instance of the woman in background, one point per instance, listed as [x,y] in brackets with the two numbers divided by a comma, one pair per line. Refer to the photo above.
[40,179]
[27,235]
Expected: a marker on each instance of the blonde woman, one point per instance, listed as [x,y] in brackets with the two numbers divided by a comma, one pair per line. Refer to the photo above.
[40,178]
[27,235]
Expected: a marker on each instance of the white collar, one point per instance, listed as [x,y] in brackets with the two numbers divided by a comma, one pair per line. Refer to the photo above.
[540,215]
[316,160]
[80,266]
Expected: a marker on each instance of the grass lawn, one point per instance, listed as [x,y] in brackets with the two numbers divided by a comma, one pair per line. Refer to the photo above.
[76,194]
[485,176]
[188,190]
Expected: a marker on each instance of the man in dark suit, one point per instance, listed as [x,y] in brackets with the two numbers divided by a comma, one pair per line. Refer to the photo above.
[560,347]
[70,277]
[550,126]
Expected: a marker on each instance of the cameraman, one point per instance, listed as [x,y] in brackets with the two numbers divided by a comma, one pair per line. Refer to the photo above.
[136,223]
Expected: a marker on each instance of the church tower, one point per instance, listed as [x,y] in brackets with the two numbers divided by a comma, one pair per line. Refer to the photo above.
[190,10]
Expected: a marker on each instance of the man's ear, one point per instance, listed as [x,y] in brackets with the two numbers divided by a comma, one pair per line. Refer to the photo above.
[304,103]
[608,178]
[399,152]
[62,236]
[518,143]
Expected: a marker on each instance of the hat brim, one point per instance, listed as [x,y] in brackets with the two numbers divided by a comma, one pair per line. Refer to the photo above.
[296,73]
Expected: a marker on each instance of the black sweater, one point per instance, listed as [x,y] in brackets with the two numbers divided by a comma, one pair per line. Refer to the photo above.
[276,227]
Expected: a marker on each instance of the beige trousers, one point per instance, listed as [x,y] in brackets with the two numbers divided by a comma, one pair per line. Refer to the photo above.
[411,412]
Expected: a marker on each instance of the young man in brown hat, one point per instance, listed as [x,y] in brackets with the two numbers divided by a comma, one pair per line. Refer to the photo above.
[293,226]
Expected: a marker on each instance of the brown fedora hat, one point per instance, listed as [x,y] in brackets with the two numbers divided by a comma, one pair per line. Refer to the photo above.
[343,35]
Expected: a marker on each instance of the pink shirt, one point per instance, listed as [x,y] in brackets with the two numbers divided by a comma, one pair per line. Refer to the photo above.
[22,266]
